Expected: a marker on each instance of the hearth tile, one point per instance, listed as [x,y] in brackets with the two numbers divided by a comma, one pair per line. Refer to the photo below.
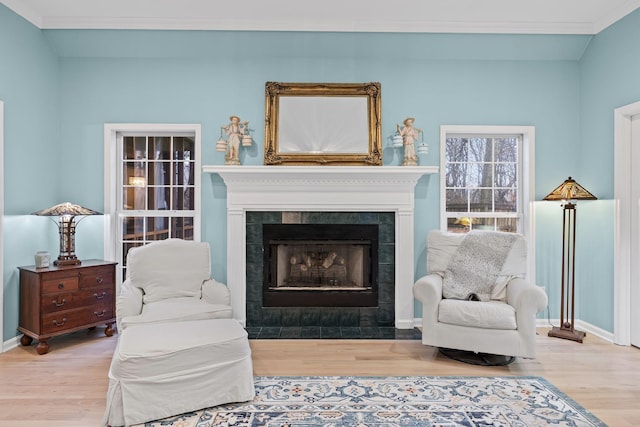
[253,332]
[330,332]
[408,334]
[387,333]
[330,317]
[310,316]
[368,218]
[385,314]
[254,234]
[254,293]
[386,233]
[291,332]
[368,317]
[386,253]
[254,315]
[310,332]
[351,332]
[386,293]
[369,332]
[349,317]
[270,332]
[271,316]
[291,316]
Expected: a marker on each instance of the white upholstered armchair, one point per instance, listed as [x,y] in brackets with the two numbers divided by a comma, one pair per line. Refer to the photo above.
[170,280]
[499,320]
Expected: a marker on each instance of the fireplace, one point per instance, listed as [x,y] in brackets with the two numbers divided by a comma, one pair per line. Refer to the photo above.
[320,265]
[249,189]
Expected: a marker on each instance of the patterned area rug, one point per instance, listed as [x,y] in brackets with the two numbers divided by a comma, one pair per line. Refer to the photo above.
[395,401]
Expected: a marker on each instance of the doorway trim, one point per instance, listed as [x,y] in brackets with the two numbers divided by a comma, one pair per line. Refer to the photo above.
[1,224]
[622,228]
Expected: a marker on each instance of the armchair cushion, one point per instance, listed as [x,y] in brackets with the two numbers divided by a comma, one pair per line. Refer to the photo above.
[477,314]
[170,268]
[177,310]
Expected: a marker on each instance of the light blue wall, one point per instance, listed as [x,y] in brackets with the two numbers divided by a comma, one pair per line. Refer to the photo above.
[610,78]
[94,77]
[29,87]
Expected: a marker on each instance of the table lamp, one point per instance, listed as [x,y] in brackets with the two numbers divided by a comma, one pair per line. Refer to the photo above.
[66,213]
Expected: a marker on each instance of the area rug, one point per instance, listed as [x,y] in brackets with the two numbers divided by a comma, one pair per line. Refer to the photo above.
[395,401]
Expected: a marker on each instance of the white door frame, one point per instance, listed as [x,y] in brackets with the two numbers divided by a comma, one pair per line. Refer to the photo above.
[622,227]
[1,225]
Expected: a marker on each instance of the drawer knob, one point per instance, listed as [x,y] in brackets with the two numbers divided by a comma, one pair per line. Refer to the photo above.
[64,320]
[99,280]
[100,314]
[100,296]
[59,304]
[60,285]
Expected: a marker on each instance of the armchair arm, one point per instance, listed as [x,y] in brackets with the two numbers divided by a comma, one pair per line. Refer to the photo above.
[526,297]
[528,300]
[129,302]
[216,292]
[428,290]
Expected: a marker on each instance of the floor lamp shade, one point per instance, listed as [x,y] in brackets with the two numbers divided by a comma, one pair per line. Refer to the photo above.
[67,213]
[568,192]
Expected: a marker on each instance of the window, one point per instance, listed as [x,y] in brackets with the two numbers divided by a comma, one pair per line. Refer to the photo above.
[156,190]
[486,178]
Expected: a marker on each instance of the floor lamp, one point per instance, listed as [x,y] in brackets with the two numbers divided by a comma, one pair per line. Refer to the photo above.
[568,192]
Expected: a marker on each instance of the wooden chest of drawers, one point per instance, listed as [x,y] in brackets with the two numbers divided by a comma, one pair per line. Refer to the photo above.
[62,299]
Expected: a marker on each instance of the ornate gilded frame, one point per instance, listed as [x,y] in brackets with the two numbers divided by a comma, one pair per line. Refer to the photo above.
[370,92]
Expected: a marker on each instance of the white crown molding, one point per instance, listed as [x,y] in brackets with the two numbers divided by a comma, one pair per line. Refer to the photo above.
[413,26]
[615,15]
[24,10]
[116,17]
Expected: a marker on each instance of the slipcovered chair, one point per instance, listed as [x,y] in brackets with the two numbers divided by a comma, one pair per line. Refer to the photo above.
[475,296]
[178,348]
[170,280]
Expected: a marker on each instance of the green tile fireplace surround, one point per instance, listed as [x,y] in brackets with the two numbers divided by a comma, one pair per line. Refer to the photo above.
[381,315]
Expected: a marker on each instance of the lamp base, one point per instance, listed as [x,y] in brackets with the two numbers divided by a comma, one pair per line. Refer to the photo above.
[567,334]
[63,262]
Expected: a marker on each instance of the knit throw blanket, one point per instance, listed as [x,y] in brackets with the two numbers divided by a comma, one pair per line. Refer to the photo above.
[476,264]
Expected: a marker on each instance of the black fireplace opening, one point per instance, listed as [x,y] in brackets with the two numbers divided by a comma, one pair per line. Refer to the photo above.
[320,265]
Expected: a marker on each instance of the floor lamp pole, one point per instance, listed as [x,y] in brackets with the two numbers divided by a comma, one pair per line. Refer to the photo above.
[566,329]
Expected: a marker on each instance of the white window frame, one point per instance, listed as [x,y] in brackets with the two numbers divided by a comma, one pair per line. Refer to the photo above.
[113,133]
[526,176]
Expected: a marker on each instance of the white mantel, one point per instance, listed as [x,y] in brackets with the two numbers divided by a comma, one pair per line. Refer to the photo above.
[322,188]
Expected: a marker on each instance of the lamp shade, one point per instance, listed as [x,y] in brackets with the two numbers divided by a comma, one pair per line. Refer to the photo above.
[67,227]
[570,190]
[66,208]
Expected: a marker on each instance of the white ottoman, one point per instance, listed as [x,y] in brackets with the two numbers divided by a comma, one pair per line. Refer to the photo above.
[165,369]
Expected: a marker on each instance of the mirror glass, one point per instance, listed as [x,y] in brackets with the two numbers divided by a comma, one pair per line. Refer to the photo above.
[314,123]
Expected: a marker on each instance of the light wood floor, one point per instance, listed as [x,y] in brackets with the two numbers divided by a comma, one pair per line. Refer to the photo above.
[67,387]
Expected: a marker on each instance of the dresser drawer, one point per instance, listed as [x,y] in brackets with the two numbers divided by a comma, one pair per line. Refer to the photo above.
[97,276]
[59,284]
[78,317]
[81,298]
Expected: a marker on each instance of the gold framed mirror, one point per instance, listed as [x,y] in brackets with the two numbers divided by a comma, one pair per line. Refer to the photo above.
[322,124]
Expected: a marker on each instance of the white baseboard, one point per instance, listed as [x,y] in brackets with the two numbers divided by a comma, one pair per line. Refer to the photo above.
[548,323]
[580,325]
[11,343]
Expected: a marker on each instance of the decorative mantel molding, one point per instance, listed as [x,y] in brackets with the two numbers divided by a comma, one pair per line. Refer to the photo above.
[321,188]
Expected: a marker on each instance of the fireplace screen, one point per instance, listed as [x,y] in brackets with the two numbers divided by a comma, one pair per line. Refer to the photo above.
[320,264]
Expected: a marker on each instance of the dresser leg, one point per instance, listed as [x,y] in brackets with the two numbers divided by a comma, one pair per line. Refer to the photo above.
[42,347]
[109,330]
[26,340]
